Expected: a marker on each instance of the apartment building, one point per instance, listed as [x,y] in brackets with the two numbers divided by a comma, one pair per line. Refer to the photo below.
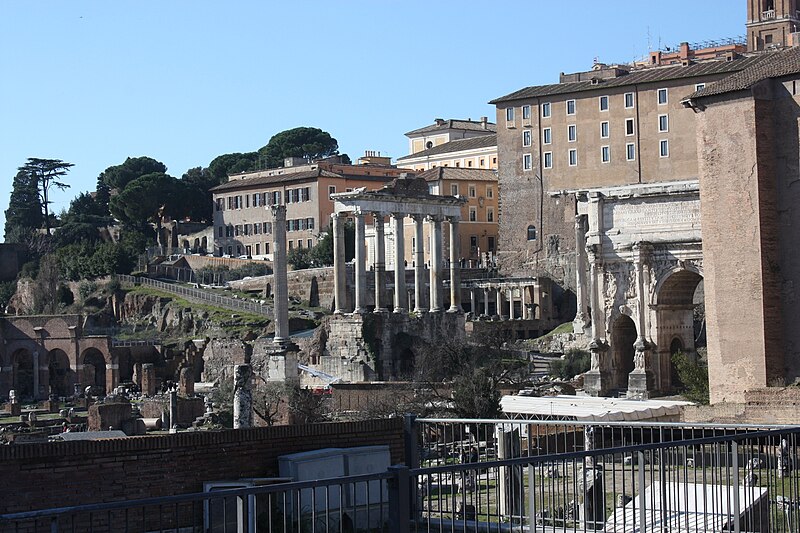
[473,152]
[242,220]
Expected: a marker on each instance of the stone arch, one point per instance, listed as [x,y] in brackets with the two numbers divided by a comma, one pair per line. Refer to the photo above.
[61,377]
[403,355]
[313,293]
[623,337]
[22,370]
[204,244]
[94,368]
[185,244]
[677,294]
[196,245]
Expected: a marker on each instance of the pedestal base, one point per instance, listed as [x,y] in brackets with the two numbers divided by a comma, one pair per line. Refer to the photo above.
[596,383]
[640,384]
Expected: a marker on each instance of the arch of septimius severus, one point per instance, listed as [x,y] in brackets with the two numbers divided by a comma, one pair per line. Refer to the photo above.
[639,264]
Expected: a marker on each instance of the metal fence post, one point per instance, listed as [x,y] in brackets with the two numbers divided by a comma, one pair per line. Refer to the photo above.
[410,440]
[642,499]
[399,499]
[737,510]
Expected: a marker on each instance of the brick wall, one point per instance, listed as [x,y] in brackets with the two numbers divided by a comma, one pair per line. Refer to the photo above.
[59,474]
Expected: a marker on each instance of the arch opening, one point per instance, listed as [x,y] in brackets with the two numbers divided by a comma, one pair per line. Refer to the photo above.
[61,377]
[623,337]
[94,369]
[22,369]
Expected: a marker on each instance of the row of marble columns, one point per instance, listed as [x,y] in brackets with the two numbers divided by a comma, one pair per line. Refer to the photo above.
[495,294]
[400,295]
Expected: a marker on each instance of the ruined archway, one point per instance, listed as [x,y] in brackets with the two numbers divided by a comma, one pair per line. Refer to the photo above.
[623,337]
[94,369]
[61,377]
[679,300]
[22,373]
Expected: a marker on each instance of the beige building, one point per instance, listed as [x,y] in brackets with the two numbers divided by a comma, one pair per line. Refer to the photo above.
[601,179]
[242,221]
[452,143]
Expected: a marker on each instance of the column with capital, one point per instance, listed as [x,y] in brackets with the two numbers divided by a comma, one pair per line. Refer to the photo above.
[511,303]
[419,263]
[486,301]
[597,380]
[339,266]
[436,263]
[641,380]
[400,296]
[380,263]
[361,264]
[455,267]
[472,304]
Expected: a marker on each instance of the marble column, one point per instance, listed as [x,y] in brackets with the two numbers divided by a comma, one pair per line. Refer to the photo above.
[280,291]
[641,380]
[597,380]
[380,263]
[511,303]
[436,264]
[486,301]
[400,296]
[339,266]
[455,267]
[361,264]
[242,397]
[582,267]
[524,294]
[419,263]
[472,304]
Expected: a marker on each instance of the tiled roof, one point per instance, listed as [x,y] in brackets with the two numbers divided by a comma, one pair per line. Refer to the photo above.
[455,124]
[774,65]
[270,180]
[635,77]
[460,145]
[458,173]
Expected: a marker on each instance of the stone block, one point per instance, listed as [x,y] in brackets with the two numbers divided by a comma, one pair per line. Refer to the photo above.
[148,380]
[103,416]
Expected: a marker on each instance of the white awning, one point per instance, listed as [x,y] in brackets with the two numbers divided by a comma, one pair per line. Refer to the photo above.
[589,408]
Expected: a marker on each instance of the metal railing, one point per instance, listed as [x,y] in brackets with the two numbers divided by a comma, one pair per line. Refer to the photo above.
[732,482]
[199,295]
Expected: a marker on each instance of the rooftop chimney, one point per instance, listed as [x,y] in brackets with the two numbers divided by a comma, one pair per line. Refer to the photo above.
[439,121]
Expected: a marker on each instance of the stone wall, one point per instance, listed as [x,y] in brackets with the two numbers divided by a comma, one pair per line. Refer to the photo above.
[61,474]
[769,405]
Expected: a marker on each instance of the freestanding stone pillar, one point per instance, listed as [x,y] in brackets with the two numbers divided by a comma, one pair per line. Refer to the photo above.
[186,382]
[173,410]
[486,301]
[361,264]
[436,264]
[511,303]
[380,263]
[281,290]
[36,374]
[148,379]
[400,296]
[340,275]
[597,379]
[472,305]
[641,381]
[419,263]
[455,267]
[242,397]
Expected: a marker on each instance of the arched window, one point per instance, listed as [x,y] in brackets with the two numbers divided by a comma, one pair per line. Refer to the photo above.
[531,232]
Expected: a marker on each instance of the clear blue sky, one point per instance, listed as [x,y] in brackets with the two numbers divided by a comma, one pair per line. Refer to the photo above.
[95,82]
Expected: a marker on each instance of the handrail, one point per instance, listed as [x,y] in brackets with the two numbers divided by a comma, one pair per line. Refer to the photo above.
[198,295]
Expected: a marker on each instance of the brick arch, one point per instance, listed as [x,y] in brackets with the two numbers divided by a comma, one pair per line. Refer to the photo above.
[61,376]
[95,368]
[22,373]
[57,328]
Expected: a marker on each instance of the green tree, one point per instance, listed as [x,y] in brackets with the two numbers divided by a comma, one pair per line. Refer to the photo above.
[23,215]
[145,199]
[300,258]
[694,376]
[224,165]
[310,143]
[46,173]
[322,253]
[119,176]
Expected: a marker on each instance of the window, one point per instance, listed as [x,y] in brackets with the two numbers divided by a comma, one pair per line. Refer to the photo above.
[630,151]
[306,194]
[220,204]
[629,127]
[220,232]
[570,107]
[548,160]
[473,243]
[662,96]
[527,162]
[604,103]
[266,247]
[237,230]
[238,249]
[299,243]
[509,114]
[230,202]
[572,133]
[664,148]
[489,191]
[526,112]
[310,223]
[309,243]
[531,232]
[454,189]
[547,136]
[276,198]
[699,86]
[482,163]
[628,100]
[473,214]
[490,244]
[258,248]
[546,110]
[489,214]
[663,123]
[267,227]
[247,200]
[291,245]
[526,138]
[604,130]
[230,250]
[573,157]
[469,163]
[472,193]
[605,154]
[331,189]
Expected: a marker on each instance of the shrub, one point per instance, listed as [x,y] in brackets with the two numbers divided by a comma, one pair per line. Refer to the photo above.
[86,289]
[571,364]
[64,295]
[694,376]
